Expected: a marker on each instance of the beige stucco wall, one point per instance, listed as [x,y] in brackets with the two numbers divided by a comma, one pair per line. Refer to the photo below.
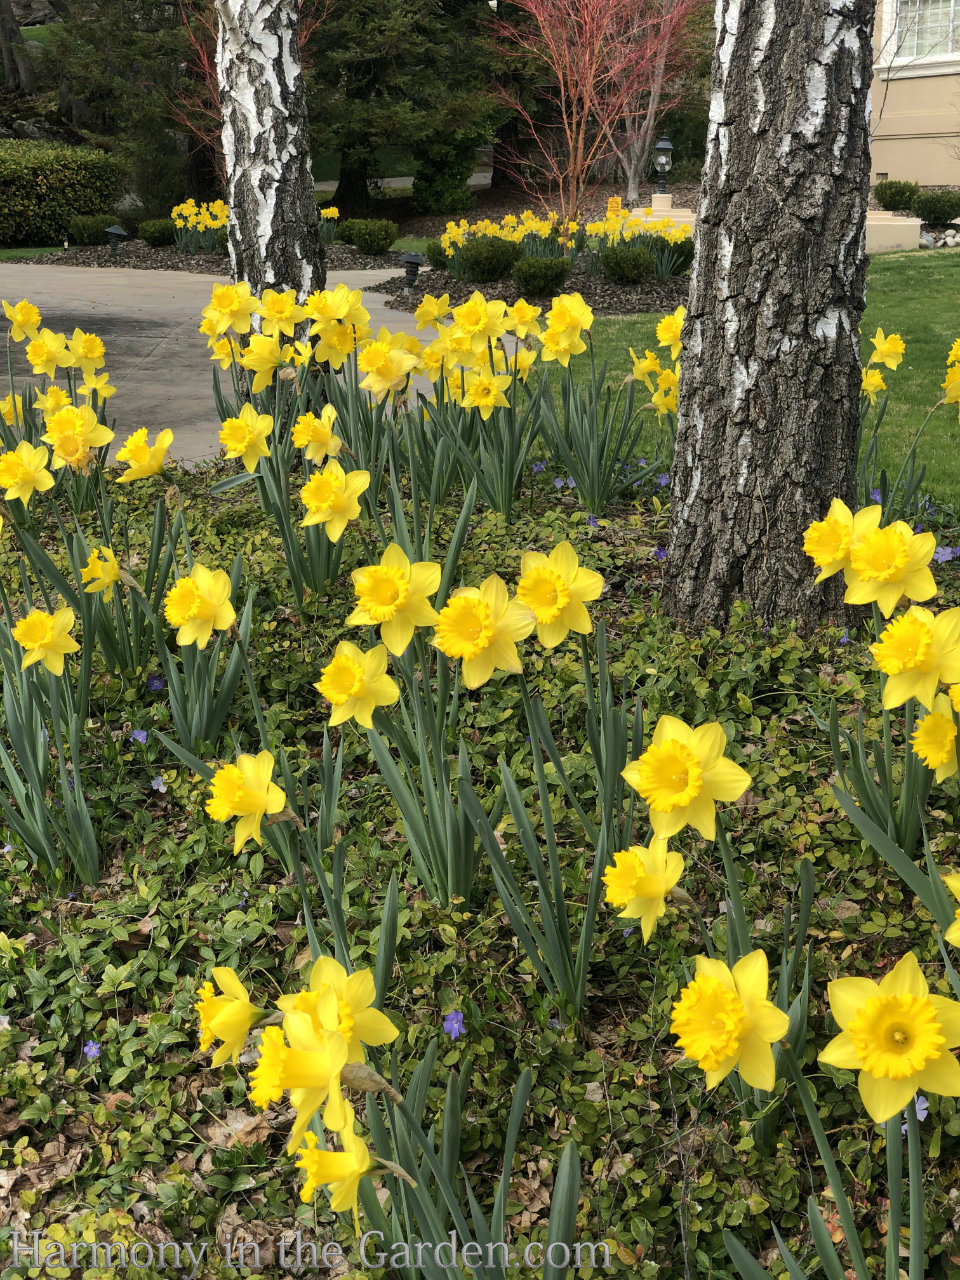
[917,128]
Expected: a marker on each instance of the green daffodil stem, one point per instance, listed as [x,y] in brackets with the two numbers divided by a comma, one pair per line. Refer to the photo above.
[878,625]
[894,1144]
[844,1210]
[252,686]
[915,1173]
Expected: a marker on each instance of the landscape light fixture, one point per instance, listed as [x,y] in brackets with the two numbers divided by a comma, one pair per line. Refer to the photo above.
[663,162]
[115,234]
[412,262]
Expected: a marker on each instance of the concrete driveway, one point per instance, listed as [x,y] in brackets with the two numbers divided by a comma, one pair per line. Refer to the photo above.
[148,321]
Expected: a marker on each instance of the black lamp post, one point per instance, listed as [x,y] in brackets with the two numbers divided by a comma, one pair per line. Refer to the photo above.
[663,162]
[412,262]
[115,234]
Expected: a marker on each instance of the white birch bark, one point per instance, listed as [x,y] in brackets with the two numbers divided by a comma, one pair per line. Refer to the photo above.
[769,396]
[274,240]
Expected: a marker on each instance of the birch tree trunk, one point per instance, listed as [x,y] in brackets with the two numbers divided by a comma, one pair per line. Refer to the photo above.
[769,397]
[18,72]
[274,239]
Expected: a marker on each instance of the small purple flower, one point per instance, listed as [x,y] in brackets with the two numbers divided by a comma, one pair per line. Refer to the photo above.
[138,735]
[919,1104]
[453,1024]
[7,848]
[70,783]
[158,784]
[539,467]
[918,528]
[155,683]
[875,495]
[641,462]
[660,554]
[556,1024]
[557,482]
[571,483]
[593,522]
[943,554]
[845,638]
[663,479]
[91,1050]
[627,932]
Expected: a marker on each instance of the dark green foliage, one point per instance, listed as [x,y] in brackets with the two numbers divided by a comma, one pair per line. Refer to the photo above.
[626,264]
[223,241]
[937,207]
[369,235]
[444,163]
[90,228]
[44,185]
[436,255]
[158,231]
[896,195]
[486,258]
[541,277]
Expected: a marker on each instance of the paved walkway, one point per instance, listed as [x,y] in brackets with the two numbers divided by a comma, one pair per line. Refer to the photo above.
[148,321]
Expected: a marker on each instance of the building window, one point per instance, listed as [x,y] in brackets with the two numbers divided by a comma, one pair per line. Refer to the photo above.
[926,28]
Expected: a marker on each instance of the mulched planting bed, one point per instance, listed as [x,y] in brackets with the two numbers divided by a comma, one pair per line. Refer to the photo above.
[139,254]
[604,298]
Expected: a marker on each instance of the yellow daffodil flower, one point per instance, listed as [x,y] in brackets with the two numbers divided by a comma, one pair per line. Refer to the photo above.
[245,790]
[897,1035]
[827,541]
[342,1002]
[392,595]
[570,314]
[142,458]
[646,369]
[23,472]
[481,625]
[340,1171]
[52,400]
[355,683]
[485,391]
[101,572]
[280,313]
[641,880]
[555,589]
[24,319]
[522,319]
[263,357]
[934,740]
[74,433]
[86,352]
[331,497]
[871,383]
[683,774]
[952,935]
[47,353]
[315,435]
[46,638]
[431,311]
[199,604]
[309,1067]
[669,330]
[884,565]
[245,436]
[11,410]
[227,1017]
[916,652]
[230,307]
[888,351]
[723,1020]
[98,385]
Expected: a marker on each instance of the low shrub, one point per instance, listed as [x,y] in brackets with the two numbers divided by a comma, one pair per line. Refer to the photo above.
[90,228]
[937,207]
[158,232]
[369,235]
[541,277]
[896,195]
[437,256]
[223,241]
[44,185]
[628,264]
[486,258]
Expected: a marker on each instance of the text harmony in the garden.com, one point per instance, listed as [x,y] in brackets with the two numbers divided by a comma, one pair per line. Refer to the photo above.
[295,1254]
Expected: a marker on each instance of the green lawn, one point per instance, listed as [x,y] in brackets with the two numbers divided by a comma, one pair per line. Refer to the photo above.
[7,254]
[913,294]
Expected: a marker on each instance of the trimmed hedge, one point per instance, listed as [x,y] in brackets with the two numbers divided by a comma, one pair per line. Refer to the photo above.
[895,195]
[369,235]
[541,277]
[43,185]
[158,232]
[937,208]
[90,228]
[623,264]
[437,256]
[487,258]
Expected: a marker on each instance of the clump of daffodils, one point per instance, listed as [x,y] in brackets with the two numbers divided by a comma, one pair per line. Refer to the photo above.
[322,1033]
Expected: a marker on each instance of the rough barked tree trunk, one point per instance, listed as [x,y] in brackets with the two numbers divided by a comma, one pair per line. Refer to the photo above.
[18,72]
[274,240]
[769,397]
